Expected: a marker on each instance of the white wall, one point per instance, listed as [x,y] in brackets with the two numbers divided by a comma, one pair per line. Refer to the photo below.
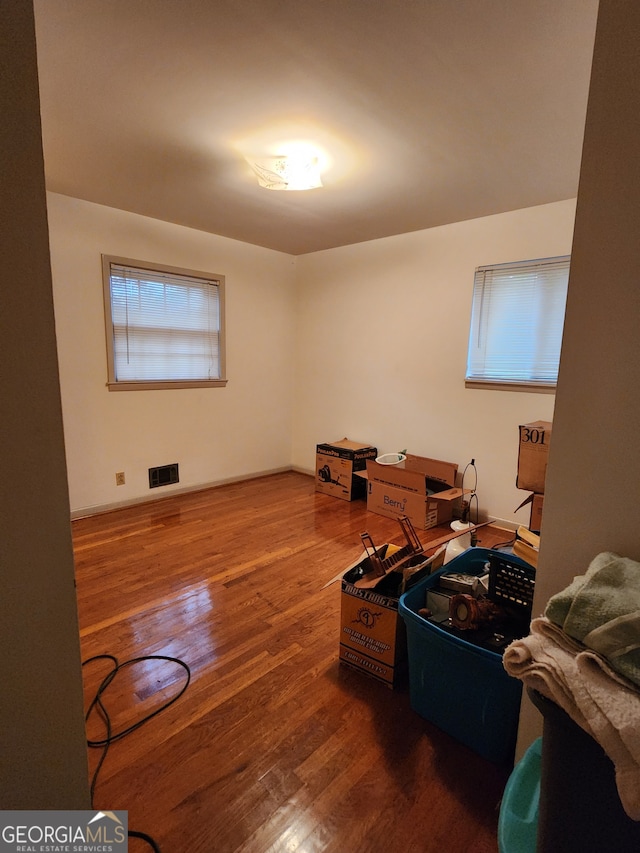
[42,734]
[214,434]
[372,337]
[382,331]
[593,479]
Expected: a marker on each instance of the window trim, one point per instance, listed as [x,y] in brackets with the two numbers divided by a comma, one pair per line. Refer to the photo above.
[537,386]
[496,385]
[161,384]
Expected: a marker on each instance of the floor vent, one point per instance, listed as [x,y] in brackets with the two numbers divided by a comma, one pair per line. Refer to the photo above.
[164,475]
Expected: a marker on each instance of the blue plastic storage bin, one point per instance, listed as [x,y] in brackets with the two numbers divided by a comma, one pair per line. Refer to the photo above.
[460,687]
[518,821]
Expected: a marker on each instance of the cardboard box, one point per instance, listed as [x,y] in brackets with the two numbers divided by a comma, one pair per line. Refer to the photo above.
[372,636]
[527,547]
[535,522]
[533,454]
[424,490]
[336,466]
[537,504]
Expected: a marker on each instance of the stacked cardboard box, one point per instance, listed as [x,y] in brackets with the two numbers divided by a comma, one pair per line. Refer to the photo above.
[533,455]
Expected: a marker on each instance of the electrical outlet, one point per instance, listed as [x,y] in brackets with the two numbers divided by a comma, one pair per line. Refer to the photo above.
[120,478]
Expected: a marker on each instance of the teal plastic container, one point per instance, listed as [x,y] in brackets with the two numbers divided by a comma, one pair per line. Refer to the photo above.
[460,687]
[518,821]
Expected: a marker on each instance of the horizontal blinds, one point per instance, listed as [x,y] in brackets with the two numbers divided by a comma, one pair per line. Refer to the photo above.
[166,327]
[517,321]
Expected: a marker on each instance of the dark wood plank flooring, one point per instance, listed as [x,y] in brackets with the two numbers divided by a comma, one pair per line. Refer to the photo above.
[274,747]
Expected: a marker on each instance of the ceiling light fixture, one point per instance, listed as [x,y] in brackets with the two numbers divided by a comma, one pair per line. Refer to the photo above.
[288,172]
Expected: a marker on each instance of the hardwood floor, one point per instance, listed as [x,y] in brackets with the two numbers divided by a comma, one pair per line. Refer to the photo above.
[274,746]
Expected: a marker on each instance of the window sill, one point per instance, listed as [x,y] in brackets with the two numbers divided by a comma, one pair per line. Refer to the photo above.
[509,386]
[166,386]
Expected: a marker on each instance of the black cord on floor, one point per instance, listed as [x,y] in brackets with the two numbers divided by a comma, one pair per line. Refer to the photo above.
[133,834]
[98,705]
[503,544]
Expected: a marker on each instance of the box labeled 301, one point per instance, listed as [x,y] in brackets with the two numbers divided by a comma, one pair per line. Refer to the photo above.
[533,455]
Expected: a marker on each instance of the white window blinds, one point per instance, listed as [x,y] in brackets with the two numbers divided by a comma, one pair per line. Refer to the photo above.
[516,322]
[165,325]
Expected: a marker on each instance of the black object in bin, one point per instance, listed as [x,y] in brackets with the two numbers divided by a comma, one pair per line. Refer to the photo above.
[580,810]
[511,584]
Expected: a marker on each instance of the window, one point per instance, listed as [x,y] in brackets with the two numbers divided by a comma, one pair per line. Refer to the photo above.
[517,318]
[165,326]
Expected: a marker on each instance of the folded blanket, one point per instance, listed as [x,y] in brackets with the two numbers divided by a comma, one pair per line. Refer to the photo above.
[601,609]
[596,697]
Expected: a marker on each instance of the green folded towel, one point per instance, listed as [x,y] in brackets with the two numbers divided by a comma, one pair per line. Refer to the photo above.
[601,609]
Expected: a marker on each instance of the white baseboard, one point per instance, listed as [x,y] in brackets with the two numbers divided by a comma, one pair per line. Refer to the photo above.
[511,526]
[85,512]
[98,509]
[308,471]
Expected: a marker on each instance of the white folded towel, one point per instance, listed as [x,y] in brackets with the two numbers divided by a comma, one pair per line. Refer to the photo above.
[599,700]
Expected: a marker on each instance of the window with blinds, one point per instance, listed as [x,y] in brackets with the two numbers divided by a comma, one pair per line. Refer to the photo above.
[517,319]
[165,326]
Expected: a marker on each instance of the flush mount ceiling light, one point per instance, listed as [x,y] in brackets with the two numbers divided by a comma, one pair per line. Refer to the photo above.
[287,172]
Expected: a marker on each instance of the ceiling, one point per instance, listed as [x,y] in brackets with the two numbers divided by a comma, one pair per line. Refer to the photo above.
[426,112]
